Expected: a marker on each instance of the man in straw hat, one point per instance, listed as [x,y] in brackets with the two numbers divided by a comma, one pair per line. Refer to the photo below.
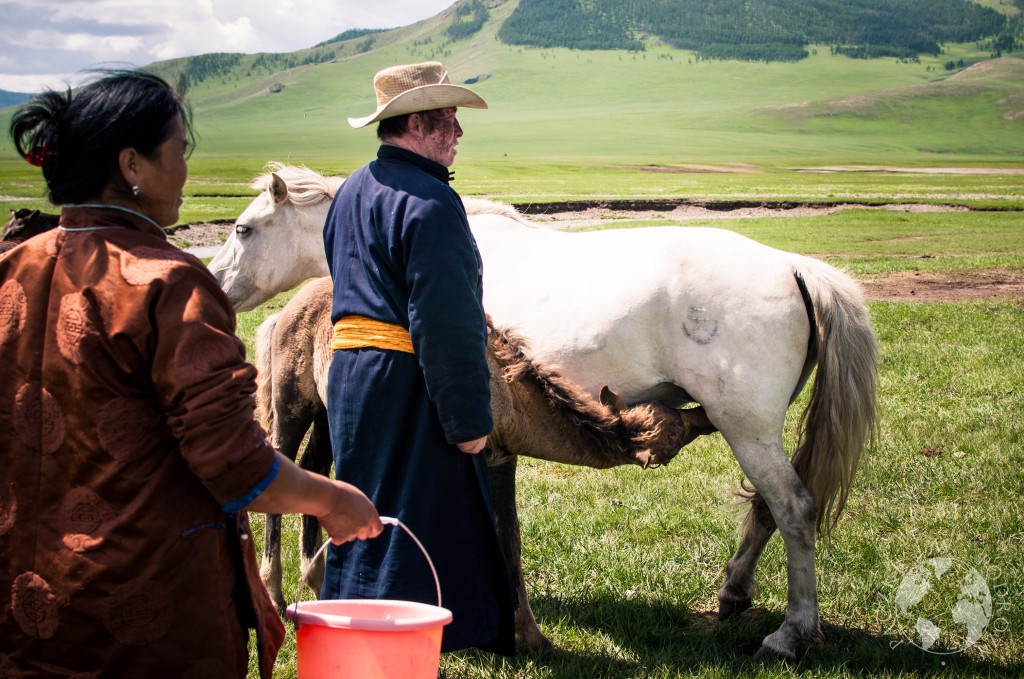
[408,391]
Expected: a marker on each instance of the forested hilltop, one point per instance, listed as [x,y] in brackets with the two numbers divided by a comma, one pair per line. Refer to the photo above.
[764,30]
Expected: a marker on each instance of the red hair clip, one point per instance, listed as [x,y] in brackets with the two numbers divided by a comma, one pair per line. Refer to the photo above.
[36,156]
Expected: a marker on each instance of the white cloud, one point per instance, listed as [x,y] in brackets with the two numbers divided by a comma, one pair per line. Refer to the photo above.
[106,47]
[47,41]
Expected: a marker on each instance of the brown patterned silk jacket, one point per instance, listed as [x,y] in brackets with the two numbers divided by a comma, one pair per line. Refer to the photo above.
[127,450]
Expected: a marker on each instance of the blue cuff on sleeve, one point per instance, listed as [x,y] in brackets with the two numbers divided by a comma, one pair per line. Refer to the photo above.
[243,502]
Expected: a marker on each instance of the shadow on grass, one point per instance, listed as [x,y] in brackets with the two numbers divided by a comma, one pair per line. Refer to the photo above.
[652,639]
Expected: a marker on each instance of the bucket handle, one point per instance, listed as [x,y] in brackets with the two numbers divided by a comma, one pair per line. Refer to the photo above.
[387,521]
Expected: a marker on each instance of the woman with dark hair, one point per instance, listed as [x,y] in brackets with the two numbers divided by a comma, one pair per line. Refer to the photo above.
[128,449]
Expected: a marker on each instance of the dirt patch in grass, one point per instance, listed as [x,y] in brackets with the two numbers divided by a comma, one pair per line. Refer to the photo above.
[583,215]
[200,234]
[689,168]
[959,286]
[914,170]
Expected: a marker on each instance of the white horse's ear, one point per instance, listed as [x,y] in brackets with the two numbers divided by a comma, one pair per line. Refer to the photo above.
[612,400]
[278,189]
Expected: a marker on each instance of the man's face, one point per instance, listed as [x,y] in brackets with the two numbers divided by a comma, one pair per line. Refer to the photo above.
[439,144]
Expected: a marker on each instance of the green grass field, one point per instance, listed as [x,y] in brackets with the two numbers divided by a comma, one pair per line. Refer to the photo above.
[623,565]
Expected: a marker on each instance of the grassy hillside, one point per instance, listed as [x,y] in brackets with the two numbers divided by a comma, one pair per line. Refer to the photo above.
[569,122]
[659,106]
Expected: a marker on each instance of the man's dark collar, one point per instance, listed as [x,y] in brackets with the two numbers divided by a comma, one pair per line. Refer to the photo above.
[392,152]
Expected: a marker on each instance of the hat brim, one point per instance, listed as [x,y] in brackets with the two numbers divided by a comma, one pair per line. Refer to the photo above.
[424,98]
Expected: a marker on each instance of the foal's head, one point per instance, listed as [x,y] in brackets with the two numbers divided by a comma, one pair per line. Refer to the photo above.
[546,415]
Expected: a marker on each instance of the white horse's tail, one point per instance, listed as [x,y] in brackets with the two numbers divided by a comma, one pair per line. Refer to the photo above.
[841,420]
[265,373]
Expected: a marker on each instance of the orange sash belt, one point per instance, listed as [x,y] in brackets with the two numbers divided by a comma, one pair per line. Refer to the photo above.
[358,332]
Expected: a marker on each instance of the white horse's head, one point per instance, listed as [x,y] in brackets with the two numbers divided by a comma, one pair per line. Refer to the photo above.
[277,242]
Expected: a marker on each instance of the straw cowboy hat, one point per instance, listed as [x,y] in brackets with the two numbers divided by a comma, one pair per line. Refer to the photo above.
[413,88]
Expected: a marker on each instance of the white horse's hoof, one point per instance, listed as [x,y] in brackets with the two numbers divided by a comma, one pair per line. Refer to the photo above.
[782,644]
[767,654]
[777,646]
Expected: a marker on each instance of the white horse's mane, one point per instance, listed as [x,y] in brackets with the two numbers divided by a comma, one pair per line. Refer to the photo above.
[483,206]
[305,186]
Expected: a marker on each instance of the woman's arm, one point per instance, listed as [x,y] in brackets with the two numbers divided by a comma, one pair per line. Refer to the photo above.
[343,510]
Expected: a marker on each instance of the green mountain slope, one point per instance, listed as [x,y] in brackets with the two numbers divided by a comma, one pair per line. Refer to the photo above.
[562,108]
[661,105]
[11,98]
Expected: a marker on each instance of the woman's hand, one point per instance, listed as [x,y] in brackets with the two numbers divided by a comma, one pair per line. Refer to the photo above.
[352,516]
[343,510]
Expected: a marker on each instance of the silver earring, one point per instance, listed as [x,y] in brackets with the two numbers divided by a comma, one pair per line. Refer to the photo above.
[135,190]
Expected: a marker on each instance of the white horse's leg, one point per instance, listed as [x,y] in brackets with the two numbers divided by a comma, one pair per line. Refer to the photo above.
[766,466]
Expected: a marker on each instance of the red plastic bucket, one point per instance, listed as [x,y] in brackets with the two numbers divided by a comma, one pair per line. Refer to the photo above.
[369,639]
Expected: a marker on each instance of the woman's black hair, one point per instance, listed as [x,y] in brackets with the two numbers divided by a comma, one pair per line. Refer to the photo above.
[76,137]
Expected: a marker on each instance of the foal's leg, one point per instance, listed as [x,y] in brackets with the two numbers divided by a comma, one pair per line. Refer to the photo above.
[286,437]
[317,457]
[506,517]
[270,566]
[738,588]
[766,466]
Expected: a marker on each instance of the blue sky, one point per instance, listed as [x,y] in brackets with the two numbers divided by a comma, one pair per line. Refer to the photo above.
[46,42]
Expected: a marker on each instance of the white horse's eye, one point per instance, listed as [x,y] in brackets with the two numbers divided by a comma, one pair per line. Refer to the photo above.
[242,230]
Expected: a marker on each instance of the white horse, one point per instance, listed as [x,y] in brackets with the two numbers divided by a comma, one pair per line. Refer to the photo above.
[295,198]
[678,315]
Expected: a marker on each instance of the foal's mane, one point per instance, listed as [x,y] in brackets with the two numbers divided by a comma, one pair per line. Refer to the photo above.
[609,429]
[305,186]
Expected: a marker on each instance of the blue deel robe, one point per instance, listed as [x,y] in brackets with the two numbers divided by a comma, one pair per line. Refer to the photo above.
[400,251]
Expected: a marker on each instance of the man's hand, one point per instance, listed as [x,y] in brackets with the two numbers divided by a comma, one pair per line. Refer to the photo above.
[473,447]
